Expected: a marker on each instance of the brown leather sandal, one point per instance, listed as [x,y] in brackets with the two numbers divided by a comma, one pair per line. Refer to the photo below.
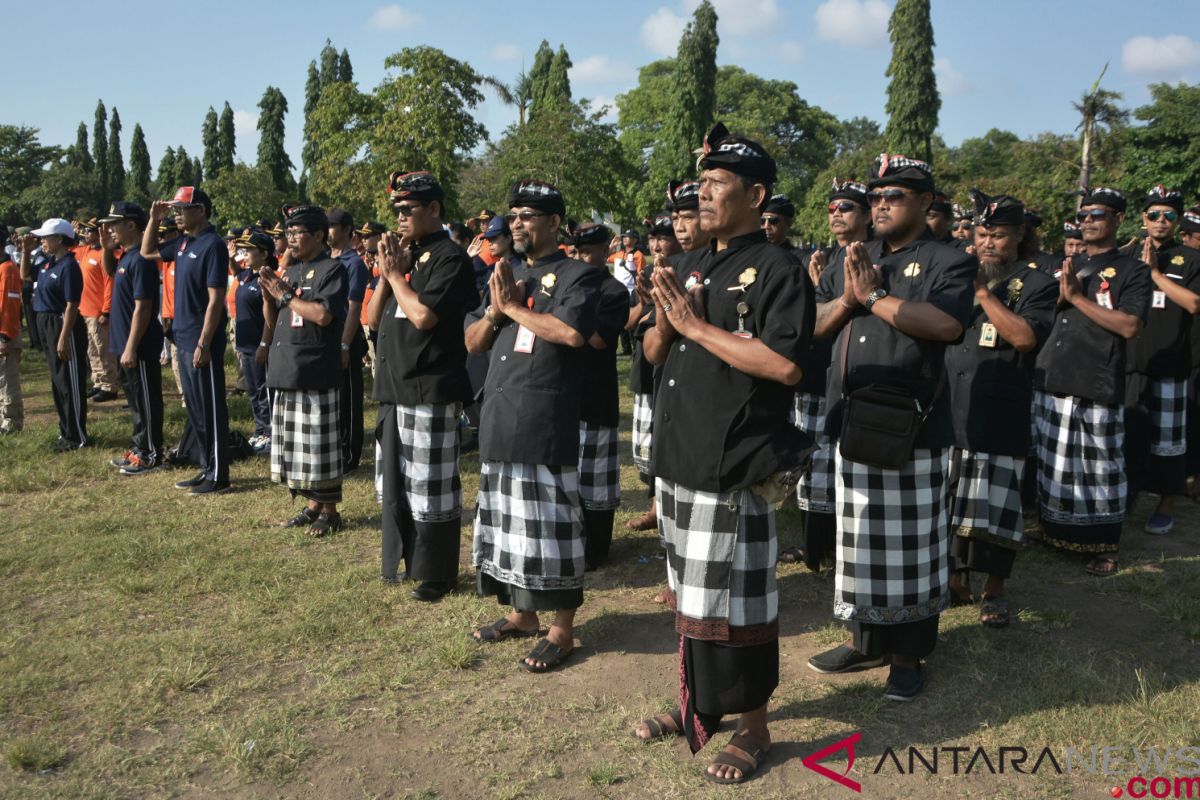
[743,754]
[657,726]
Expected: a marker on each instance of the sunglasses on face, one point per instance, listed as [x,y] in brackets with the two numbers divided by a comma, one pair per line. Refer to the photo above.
[406,210]
[958,226]
[296,233]
[1095,214]
[894,197]
[843,206]
[771,219]
[1169,216]
[524,216]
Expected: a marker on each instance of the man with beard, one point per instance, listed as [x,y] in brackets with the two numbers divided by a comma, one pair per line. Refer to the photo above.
[900,301]
[1160,361]
[528,546]
[1080,388]
[777,220]
[731,338]
[600,414]
[1072,242]
[991,389]
[353,344]
[849,217]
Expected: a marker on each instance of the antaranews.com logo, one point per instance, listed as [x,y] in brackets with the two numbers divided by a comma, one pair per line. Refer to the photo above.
[1150,772]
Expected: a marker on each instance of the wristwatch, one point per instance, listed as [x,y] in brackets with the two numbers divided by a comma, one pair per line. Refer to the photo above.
[874,297]
[345,347]
[287,298]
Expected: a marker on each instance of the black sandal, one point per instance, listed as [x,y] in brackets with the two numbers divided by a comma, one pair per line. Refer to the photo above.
[1097,566]
[657,726]
[747,760]
[995,607]
[548,653]
[325,524]
[306,517]
[496,632]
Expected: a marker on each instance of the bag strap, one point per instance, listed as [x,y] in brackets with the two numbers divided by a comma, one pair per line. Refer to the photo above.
[923,413]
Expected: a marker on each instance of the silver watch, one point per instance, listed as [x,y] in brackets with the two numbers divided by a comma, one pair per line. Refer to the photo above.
[874,297]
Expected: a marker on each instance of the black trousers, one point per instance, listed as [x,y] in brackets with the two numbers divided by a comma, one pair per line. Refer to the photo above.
[35,340]
[67,378]
[350,419]
[208,415]
[907,640]
[976,555]
[723,680]
[256,390]
[143,392]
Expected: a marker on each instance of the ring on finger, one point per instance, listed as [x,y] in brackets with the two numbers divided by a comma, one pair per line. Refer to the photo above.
[667,306]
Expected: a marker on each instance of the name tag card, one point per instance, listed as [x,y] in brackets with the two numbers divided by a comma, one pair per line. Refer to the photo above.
[988,335]
[1104,299]
[524,342]
[1159,300]
[297,320]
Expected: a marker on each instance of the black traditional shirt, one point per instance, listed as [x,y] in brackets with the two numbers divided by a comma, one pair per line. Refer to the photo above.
[924,271]
[1164,347]
[415,367]
[717,429]
[305,355]
[990,381]
[600,404]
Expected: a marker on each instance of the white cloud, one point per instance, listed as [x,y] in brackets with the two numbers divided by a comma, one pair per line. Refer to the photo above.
[245,123]
[791,51]
[661,30]
[602,69]
[506,51]
[394,18]
[854,23]
[598,102]
[1168,54]
[950,82]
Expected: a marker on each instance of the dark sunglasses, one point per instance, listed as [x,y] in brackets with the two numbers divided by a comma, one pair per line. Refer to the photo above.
[843,206]
[524,216]
[1093,214]
[894,197]
[1170,216]
[407,210]
[958,226]
[771,219]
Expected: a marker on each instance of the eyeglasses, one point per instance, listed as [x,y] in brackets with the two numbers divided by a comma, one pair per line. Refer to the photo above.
[524,216]
[842,206]
[296,233]
[771,219]
[1170,216]
[894,197]
[1096,214]
[958,226]
[407,210]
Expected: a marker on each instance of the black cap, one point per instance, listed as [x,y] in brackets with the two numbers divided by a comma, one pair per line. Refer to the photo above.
[419,186]
[1002,209]
[1072,231]
[781,204]
[683,195]
[1162,196]
[86,224]
[122,209]
[304,216]
[538,195]
[897,170]
[1103,196]
[371,228]
[739,155]
[1190,221]
[233,233]
[630,232]
[849,190]
[254,238]
[1032,218]
[660,225]
[339,216]
[941,204]
[960,213]
[591,233]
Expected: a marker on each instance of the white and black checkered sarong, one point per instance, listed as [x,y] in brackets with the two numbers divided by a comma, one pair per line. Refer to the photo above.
[1081,460]
[1168,400]
[985,497]
[721,552]
[599,467]
[529,527]
[643,420]
[428,468]
[893,548]
[814,492]
[306,453]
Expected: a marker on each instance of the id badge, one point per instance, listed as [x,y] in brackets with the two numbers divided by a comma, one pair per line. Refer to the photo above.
[1159,300]
[1104,300]
[297,320]
[988,335]
[525,338]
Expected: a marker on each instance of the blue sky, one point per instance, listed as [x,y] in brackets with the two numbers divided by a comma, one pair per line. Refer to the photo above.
[1016,65]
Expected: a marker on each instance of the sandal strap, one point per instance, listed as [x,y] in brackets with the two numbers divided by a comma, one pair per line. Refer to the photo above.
[746,755]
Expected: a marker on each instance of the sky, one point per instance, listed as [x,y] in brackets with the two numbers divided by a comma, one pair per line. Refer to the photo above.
[1016,65]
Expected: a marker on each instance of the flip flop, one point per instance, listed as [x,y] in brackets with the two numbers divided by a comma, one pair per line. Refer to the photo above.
[995,607]
[1093,567]
[657,726]
[750,754]
[548,653]
[305,518]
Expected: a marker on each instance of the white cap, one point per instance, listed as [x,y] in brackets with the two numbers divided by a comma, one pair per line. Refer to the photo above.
[55,227]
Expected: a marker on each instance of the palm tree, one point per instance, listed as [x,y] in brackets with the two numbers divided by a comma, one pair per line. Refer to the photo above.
[517,95]
[1099,111]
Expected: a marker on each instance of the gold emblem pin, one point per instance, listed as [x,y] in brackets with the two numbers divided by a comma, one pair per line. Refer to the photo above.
[424,257]
[912,270]
[311,272]
[1108,272]
[1177,261]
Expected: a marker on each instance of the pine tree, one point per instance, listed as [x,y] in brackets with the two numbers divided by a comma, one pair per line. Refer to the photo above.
[116,162]
[184,174]
[138,185]
[913,102]
[312,94]
[227,142]
[539,77]
[165,176]
[329,64]
[558,81]
[100,155]
[345,70]
[79,155]
[272,154]
[210,139]
[197,172]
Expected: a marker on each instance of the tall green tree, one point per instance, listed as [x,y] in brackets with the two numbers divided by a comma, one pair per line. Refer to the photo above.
[539,75]
[226,139]
[1099,115]
[272,154]
[556,91]
[138,185]
[185,174]
[1165,149]
[116,161]
[243,193]
[345,68]
[197,172]
[22,161]
[63,190]
[100,156]
[330,65]
[312,94]
[210,138]
[912,96]
[165,182]
[78,154]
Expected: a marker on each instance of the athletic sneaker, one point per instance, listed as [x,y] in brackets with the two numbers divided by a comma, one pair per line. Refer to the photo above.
[191,483]
[210,487]
[103,396]
[121,461]
[904,683]
[843,658]
[1159,524]
[138,466]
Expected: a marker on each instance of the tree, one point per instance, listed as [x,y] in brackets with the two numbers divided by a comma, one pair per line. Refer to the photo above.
[330,65]
[555,89]
[345,69]
[691,100]
[1164,149]
[210,139]
[272,154]
[78,155]
[197,172]
[100,156]
[856,133]
[226,140]
[343,170]
[539,74]
[912,96]
[185,174]
[63,190]
[243,193]
[1099,113]
[312,93]
[517,95]
[22,160]
[165,182]
[116,162]
[138,185]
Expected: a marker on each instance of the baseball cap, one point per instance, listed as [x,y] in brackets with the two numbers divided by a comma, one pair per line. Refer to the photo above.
[55,226]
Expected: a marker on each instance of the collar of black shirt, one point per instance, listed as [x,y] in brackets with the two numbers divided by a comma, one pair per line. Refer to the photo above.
[557,255]
[436,236]
[925,236]
[207,229]
[758,237]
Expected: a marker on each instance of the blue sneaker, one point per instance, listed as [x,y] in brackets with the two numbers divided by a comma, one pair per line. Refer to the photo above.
[1159,524]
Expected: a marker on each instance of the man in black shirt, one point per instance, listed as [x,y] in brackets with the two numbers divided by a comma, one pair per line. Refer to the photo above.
[732,335]
[777,220]
[1072,241]
[528,546]
[897,303]
[939,217]
[1080,388]
[353,343]
[962,226]
[427,287]
[1160,360]
[990,375]
[1189,235]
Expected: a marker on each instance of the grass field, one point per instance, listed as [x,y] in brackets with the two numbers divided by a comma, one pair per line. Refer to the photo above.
[158,645]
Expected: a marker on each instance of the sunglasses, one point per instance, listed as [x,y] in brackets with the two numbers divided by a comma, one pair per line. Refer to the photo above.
[524,216]
[771,219]
[1096,214]
[296,233]
[843,206]
[894,197]
[958,226]
[406,210]
[1170,216]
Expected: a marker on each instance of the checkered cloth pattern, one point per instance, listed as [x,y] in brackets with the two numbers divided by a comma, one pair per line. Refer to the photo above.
[721,552]
[599,467]
[1168,401]
[814,492]
[985,497]
[1081,460]
[306,450]
[643,422]
[529,527]
[428,467]
[893,530]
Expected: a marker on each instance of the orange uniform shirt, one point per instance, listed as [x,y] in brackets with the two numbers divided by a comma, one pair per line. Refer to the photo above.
[97,284]
[168,289]
[10,302]
[231,297]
